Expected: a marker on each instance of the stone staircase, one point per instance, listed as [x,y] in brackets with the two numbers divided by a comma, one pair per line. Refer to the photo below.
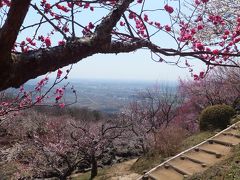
[198,158]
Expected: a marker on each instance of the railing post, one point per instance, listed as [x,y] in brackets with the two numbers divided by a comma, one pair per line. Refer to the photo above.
[145,177]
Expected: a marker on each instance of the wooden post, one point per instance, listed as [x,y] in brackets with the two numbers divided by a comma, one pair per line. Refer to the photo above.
[145,177]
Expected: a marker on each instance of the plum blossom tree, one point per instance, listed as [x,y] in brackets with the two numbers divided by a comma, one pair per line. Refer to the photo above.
[221,86]
[64,32]
[10,104]
[56,146]
[94,138]
[46,149]
[227,10]
[152,112]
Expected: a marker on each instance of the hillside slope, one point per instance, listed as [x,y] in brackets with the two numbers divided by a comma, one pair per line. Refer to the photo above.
[199,158]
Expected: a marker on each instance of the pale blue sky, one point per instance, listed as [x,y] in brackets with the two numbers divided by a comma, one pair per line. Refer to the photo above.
[132,66]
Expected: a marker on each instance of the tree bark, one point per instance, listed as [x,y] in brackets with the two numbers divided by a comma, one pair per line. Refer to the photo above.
[11,27]
[17,68]
[94,169]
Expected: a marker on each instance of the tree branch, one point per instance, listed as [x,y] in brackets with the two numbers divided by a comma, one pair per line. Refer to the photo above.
[104,29]
[14,68]
[11,27]
[46,60]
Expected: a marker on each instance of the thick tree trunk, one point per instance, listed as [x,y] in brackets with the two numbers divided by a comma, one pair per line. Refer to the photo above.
[94,169]
[62,178]
[9,31]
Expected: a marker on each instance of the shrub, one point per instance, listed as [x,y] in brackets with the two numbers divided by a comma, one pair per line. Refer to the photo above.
[167,141]
[216,117]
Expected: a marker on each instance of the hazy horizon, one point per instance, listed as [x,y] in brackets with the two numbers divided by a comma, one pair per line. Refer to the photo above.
[105,80]
[105,94]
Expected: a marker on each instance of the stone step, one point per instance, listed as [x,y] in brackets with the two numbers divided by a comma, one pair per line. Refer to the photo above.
[218,155]
[224,143]
[216,148]
[203,164]
[177,169]
[231,134]
[199,157]
[166,173]
[149,177]
[236,127]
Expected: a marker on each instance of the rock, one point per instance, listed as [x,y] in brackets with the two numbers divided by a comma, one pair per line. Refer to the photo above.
[107,160]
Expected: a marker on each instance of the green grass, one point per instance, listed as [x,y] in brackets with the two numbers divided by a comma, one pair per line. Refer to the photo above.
[195,139]
[235,119]
[146,163]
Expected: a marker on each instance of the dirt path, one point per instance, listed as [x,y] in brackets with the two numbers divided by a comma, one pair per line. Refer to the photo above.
[121,171]
[198,158]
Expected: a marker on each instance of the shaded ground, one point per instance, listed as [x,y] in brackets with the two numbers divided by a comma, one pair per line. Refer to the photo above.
[119,171]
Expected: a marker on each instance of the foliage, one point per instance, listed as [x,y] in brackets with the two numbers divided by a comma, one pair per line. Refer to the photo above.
[55,146]
[220,86]
[235,119]
[167,143]
[153,111]
[7,170]
[227,9]
[24,98]
[168,140]
[217,116]
[73,111]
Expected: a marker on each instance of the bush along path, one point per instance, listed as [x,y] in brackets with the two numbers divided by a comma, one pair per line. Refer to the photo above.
[198,158]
